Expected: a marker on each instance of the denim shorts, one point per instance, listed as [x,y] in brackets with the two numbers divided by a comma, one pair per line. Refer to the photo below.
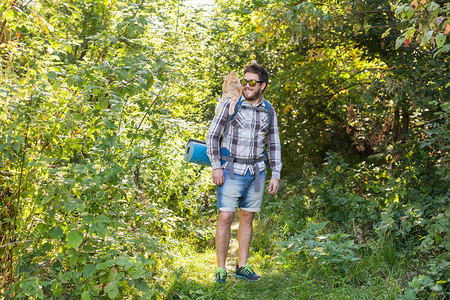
[240,192]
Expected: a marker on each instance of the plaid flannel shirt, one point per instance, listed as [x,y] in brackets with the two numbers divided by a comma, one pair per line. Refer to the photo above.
[246,138]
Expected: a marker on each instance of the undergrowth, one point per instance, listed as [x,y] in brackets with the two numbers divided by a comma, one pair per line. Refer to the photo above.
[371,240]
[373,277]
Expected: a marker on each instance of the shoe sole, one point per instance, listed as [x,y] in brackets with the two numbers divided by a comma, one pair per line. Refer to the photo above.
[243,277]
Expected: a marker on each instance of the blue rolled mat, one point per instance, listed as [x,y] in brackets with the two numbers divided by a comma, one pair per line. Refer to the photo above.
[196,153]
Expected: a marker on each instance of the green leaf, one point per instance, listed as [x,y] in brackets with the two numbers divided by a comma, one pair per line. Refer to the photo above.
[112,290]
[440,39]
[121,260]
[410,294]
[112,275]
[85,296]
[120,27]
[102,219]
[56,289]
[409,12]
[69,80]
[56,232]
[56,85]
[318,227]
[89,270]
[93,228]
[98,228]
[427,37]
[434,9]
[150,80]
[400,40]
[73,258]
[89,219]
[74,239]
[113,39]
[46,200]
[142,21]
[9,14]
[444,49]
[130,31]
[399,10]
[142,286]
[52,75]
[123,74]
[101,230]
[137,273]
[89,248]
[410,32]
[105,264]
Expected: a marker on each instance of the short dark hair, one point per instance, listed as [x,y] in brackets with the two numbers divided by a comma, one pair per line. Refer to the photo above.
[254,67]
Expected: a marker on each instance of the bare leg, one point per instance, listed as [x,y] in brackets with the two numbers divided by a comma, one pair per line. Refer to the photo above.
[223,232]
[244,235]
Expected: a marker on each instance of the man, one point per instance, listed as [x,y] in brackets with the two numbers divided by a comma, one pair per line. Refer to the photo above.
[240,175]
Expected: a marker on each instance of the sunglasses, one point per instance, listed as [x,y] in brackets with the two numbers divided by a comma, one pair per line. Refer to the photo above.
[251,83]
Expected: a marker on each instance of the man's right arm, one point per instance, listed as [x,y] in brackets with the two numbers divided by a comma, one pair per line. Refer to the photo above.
[213,142]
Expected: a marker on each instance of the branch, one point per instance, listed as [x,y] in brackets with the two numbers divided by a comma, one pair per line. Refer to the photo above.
[145,115]
[420,124]
[3,25]
[19,242]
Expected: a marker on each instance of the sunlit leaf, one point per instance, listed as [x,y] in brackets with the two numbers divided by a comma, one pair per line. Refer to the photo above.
[386,33]
[112,290]
[74,238]
[409,12]
[399,41]
[85,295]
[427,37]
[440,39]
[52,75]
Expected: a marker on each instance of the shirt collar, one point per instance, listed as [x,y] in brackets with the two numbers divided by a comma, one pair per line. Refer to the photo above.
[259,104]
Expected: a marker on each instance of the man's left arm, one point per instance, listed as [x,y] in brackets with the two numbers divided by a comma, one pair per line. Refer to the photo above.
[274,155]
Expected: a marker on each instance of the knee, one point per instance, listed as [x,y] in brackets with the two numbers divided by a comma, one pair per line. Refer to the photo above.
[246,216]
[226,218]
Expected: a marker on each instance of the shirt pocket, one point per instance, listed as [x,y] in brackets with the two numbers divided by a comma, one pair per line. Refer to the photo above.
[238,120]
[264,126]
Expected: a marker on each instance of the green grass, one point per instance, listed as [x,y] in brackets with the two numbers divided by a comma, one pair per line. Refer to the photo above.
[376,276]
[300,282]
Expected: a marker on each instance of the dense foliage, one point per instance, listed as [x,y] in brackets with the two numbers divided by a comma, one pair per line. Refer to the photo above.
[99,97]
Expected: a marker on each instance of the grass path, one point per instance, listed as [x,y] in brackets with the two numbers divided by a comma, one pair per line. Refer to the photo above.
[300,280]
[200,266]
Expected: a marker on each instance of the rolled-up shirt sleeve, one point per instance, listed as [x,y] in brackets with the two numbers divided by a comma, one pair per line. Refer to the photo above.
[274,148]
[214,134]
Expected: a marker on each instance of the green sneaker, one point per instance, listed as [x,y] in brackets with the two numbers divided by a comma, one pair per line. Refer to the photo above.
[247,273]
[221,275]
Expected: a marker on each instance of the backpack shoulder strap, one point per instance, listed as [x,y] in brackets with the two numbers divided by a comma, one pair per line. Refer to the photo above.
[239,105]
[269,110]
[236,108]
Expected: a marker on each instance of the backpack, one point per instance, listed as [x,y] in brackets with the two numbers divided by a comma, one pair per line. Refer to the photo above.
[239,105]
[195,151]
